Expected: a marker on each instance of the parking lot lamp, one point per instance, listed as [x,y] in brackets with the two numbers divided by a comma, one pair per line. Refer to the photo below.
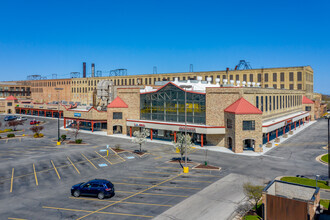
[58,118]
[186,168]
[328,117]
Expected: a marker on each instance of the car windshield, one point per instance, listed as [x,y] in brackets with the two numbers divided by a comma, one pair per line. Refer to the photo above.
[109,185]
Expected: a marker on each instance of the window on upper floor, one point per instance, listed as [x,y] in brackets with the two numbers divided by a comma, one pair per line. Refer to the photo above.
[229,123]
[291,86]
[117,115]
[266,77]
[299,76]
[308,108]
[251,77]
[259,77]
[274,77]
[249,125]
[290,76]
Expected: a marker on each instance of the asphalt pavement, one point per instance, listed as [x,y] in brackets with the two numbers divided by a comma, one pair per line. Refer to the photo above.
[36,174]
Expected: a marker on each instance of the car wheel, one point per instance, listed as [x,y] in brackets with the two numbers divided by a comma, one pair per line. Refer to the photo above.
[76,193]
[100,195]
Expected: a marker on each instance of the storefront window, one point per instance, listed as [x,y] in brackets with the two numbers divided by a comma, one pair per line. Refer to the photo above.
[167,104]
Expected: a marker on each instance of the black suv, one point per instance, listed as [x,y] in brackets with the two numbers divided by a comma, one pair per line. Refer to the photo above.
[98,187]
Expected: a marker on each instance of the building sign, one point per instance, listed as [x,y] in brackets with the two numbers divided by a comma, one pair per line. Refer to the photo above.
[77,114]
[288,122]
[139,125]
[193,130]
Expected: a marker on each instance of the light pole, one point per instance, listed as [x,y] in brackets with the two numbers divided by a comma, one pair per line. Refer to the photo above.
[317,177]
[186,168]
[58,112]
[328,117]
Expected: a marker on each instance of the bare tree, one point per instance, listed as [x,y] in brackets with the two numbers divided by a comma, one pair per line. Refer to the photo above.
[140,137]
[75,130]
[183,143]
[242,209]
[14,124]
[253,193]
[36,129]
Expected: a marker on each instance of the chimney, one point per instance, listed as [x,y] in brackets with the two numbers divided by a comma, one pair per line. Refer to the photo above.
[84,69]
[93,69]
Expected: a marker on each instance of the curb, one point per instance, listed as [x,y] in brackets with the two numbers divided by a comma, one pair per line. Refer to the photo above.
[318,159]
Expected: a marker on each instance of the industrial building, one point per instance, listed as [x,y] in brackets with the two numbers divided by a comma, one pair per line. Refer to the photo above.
[236,109]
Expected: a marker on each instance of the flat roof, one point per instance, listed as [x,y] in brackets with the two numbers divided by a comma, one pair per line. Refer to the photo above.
[291,190]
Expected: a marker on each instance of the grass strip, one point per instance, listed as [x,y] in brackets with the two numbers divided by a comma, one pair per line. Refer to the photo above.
[305,181]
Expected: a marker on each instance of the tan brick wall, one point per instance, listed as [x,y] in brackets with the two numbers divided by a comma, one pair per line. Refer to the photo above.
[312,112]
[216,139]
[113,122]
[238,135]
[93,114]
[132,98]
[44,90]
[217,100]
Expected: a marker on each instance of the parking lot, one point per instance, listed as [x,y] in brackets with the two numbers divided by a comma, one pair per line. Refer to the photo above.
[36,177]
[140,193]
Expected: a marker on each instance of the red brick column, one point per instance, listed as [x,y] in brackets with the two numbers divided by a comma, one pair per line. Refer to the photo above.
[202,141]
[276,133]
[130,131]
[267,137]
[92,126]
[150,134]
[175,136]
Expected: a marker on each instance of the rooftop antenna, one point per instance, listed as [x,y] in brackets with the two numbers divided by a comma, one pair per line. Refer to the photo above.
[191,68]
[98,73]
[75,75]
[243,65]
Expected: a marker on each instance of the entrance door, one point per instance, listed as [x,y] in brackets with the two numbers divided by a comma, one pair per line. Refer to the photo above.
[230,142]
[248,144]
[9,111]
[117,129]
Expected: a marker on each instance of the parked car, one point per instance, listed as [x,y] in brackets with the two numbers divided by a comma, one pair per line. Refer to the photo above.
[34,122]
[22,118]
[97,187]
[10,118]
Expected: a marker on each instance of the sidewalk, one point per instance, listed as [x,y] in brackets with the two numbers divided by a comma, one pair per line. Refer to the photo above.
[217,201]
[210,148]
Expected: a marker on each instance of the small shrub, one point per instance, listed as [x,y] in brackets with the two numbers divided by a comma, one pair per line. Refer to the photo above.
[10,135]
[2,131]
[117,147]
[8,130]
[41,135]
[63,137]
[0,137]
[78,141]
[35,135]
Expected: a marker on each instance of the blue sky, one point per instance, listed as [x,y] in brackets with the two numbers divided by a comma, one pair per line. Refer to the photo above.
[45,37]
